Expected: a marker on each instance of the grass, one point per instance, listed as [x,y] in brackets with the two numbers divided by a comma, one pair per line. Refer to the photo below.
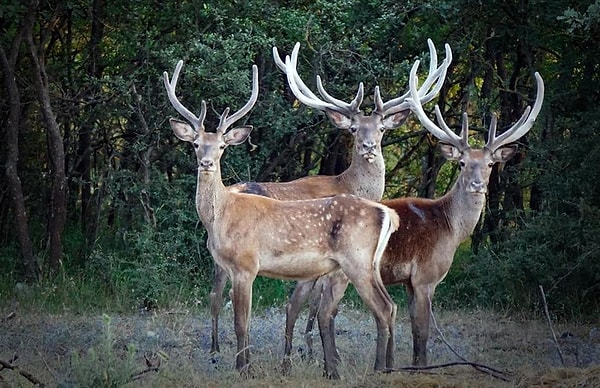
[170,348]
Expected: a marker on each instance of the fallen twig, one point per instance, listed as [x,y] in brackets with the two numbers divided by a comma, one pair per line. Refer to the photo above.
[562,360]
[8,317]
[480,367]
[24,373]
[151,367]
[138,375]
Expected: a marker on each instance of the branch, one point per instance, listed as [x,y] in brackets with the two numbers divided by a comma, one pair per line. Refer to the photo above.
[24,373]
[151,367]
[8,317]
[562,361]
[480,367]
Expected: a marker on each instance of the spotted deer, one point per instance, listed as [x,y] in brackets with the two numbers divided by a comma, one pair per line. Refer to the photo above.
[250,235]
[364,177]
[420,253]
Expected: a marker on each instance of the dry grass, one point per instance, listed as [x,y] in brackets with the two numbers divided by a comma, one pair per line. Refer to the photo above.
[57,349]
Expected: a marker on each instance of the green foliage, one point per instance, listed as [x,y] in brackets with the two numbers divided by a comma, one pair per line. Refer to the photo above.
[103,365]
[147,249]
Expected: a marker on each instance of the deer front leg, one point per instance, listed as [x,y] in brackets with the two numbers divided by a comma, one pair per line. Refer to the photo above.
[216,302]
[292,310]
[326,314]
[331,290]
[419,308]
[242,305]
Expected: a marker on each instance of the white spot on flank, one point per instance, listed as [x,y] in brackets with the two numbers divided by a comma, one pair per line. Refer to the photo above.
[328,216]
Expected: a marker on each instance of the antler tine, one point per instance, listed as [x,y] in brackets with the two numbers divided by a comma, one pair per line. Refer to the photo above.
[298,87]
[226,122]
[344,107]
[425,95]
[299,83]
[464,132]
[524,124]
[305,95]
[197,122]
[444,134]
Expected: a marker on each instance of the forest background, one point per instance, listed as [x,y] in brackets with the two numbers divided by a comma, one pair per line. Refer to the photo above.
[97,194]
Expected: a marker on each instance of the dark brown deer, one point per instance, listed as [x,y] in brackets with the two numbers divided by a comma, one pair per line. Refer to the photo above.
[420,253]
[251,235]
[366,174]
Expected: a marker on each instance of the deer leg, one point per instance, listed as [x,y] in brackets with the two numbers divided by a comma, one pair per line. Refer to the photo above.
[325,316]
[376,297]
[313,309]
[292,310]
[216,301]
[419,308]
[334,286]
[242,305]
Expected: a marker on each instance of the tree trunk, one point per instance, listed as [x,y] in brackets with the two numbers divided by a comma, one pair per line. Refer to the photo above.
[8,64]
[89,211]
[57,208]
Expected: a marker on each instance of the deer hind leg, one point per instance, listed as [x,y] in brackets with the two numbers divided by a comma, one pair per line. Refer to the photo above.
[419,308]
[242,305]
[216,301]
[292,310]
[376,297]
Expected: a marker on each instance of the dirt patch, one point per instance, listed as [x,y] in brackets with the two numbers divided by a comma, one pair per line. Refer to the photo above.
[165,348]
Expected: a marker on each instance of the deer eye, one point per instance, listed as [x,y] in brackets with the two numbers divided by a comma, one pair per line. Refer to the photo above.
[461,164]
[195,146]
[491,164]
[353,129]
[223,146]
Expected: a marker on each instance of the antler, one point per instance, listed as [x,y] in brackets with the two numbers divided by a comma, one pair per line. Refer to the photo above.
[198,122]
[307,97]
[446,135]
[224,121]
[425,95]
[522,126]
[443,133]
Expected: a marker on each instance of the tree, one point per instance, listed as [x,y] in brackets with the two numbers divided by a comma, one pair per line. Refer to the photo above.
[8,64]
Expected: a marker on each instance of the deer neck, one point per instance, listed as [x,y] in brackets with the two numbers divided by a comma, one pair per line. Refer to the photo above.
[365,179]
[210,196]
[463,209]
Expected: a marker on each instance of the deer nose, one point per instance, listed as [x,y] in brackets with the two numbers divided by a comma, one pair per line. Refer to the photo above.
[478,186]
[369,146]
[206,163]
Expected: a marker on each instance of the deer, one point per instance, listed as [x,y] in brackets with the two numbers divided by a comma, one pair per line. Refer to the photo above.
[419,254]
[250,235]
[365,177]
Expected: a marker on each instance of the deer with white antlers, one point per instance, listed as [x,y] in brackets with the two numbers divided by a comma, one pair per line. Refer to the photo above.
[420,253]
[250,235]
[364,177]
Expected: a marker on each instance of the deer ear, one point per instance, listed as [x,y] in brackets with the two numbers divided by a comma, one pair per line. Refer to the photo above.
[450,152]
[395,120]
[506,153]
[341,121]
[183,130]
[237,135]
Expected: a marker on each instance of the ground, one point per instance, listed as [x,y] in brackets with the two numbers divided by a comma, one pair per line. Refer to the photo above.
[171,348]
